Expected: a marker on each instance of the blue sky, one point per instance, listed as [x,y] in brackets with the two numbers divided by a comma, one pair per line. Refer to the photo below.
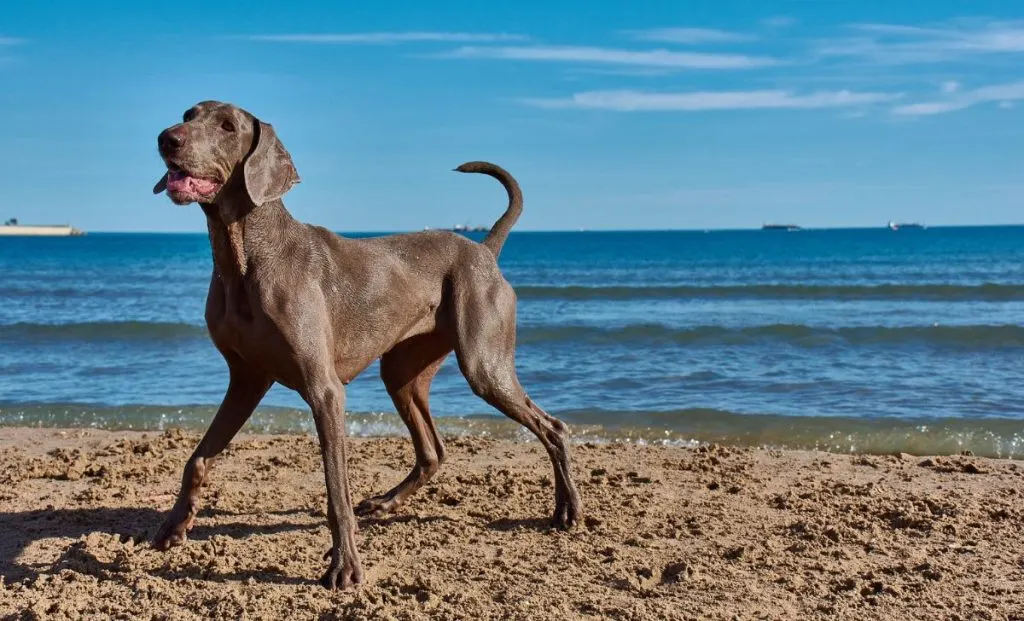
[612,115]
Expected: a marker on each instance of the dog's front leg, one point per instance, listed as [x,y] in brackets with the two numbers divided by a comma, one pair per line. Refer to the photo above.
[327,400]
[245,390]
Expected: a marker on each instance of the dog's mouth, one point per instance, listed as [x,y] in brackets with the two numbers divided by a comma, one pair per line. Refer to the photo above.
[184,186]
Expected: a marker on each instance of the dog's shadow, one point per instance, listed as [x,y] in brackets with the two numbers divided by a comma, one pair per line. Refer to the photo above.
[19,530]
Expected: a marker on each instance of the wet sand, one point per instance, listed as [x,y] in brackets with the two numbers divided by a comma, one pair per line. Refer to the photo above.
[670,533]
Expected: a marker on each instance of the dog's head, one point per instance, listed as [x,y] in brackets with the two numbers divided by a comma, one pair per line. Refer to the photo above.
[217,145]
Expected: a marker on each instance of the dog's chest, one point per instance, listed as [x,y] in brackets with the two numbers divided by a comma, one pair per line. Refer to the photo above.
[238,328]
[257,344]
[230,333]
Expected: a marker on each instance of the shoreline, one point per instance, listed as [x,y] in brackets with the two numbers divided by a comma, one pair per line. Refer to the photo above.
[883,226]
[997,438]
[668,532]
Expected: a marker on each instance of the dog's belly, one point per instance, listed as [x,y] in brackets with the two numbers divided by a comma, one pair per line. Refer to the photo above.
[389,307]
[356,349]
[262,347]
[269,334]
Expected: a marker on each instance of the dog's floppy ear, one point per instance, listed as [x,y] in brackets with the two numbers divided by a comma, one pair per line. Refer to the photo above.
[160,185]
[269,171]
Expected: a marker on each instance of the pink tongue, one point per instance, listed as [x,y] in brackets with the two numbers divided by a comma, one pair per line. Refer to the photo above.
[180,182]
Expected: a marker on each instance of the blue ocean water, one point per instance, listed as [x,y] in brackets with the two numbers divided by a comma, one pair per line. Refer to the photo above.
[843,339]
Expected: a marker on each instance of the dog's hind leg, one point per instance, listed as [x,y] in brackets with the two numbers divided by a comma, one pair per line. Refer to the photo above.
[486,328]
[407,371]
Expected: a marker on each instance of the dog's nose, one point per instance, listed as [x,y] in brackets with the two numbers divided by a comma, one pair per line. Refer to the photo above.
[171,140]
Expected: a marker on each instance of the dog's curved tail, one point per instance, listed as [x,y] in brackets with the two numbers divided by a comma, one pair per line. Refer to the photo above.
[499,232]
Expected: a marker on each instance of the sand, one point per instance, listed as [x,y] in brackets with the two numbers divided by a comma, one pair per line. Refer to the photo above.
[670,533]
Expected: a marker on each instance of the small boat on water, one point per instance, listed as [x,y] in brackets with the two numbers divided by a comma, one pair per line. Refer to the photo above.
[11,228]
[464,228]
[780,227]
[895,226]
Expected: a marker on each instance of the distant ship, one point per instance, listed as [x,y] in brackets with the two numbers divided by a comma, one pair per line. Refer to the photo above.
[895,226]
[11,228]
[780,227]
[464,228]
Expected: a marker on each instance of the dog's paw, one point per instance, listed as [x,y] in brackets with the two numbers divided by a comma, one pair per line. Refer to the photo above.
[344,572]
[567,512]
[562,520]
[376,507]
[173,532]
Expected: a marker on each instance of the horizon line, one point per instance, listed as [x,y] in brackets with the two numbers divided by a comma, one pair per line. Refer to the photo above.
[591,230]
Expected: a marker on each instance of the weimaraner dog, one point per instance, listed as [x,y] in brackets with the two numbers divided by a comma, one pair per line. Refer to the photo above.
[296,304]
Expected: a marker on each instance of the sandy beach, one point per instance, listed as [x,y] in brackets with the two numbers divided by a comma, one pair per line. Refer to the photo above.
[670,533]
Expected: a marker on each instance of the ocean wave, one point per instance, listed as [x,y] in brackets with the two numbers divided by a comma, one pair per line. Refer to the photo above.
[101,331]
[990,437]
[989,292]
[91,290]
[967,336]
[963,336]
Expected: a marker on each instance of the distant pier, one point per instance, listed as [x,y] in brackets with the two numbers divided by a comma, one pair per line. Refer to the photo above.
[11,228]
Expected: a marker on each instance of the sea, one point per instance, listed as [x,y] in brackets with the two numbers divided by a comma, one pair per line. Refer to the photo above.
[846,340]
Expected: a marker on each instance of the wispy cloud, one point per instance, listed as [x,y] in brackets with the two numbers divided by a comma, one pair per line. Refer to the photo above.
[379,38]
[6,43]
[925,109]
[779,21]
[949,87]
[902,44]
[640,101]
[1005,94]
[625,71]
[598,55]
[689,35]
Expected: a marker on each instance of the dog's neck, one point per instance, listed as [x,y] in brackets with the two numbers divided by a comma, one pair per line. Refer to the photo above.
[238,230]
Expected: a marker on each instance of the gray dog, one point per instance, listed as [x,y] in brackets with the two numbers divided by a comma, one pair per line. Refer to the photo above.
[298,305]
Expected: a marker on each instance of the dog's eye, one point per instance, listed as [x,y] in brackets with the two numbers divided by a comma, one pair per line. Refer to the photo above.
[189,115]
[227,126]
